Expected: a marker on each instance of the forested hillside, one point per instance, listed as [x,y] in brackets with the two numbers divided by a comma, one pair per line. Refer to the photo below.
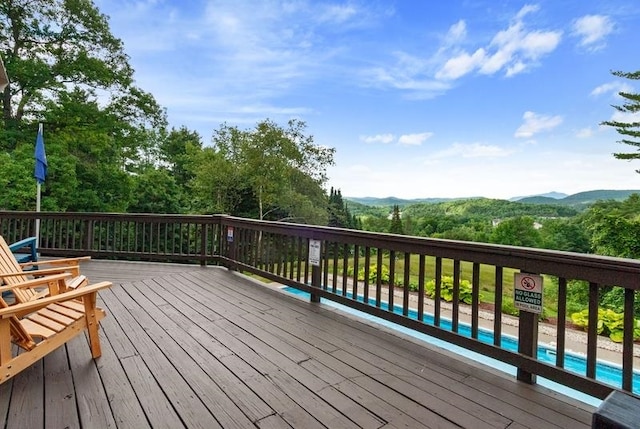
[607,227]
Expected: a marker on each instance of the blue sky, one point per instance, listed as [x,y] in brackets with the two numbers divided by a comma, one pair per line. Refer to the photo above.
[420,98]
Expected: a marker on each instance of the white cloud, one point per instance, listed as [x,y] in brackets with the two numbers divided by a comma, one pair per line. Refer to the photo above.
[584,133]
[338,13]
[592,30]
[471,150]
[378,138]
[535,123]
[612,87]
[459,66]
[414,139]
[457,32]
[625,117]
[513,50]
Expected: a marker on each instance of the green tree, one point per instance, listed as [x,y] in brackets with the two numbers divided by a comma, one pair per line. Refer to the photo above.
[156,191]
[282,167]
[614,227]
[630,130]
[179,151]
[517,231]
[339,215]
[564,234]
[49,46]
[396,222]
[62,59]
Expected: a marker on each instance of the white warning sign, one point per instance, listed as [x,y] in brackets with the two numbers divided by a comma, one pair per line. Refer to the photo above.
[527,292]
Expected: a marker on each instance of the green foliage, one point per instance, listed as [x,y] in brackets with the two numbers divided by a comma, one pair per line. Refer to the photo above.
[396,223]
[517,231]
[629,129]
[338,212]
[508,307]
[282,167]
[446,289]
[610,323]
[373,274]
[614,227]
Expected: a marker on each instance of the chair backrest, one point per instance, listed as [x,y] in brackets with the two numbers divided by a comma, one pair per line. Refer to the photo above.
[9,264]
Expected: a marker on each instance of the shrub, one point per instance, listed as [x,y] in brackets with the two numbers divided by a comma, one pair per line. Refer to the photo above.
[373,274]
[610,323]
[446,290]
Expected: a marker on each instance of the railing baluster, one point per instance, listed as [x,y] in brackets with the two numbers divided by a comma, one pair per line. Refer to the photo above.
[438,292]
[421,291]
[561,323]
[627,341]
[367,267]
[378,277]
[345,268]
[356,256]
[392,279]
[475,300]
[592,330]
[334,278]
[497,308]
[455,316]
[407,279]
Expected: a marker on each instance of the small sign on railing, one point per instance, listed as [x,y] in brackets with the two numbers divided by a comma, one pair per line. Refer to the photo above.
[527,292]
[314,252]
[229,234]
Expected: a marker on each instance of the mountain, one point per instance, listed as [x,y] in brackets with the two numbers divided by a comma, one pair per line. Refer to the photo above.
[580,199]
[392,201]
[553,195]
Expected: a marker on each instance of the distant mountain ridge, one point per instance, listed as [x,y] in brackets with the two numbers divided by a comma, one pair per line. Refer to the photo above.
[579,199]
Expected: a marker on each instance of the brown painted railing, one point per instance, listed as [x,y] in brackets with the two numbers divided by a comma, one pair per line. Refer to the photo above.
[280,252]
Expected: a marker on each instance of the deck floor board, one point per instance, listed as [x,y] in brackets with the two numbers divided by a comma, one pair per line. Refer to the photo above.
[202,347]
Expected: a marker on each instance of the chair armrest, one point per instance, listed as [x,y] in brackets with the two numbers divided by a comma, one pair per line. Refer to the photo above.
[72,270]
[40,281]
[27,242]
[64,261]
[29,307]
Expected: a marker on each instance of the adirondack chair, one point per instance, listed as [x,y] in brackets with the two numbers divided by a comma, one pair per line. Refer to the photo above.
[41,326]
[18,249]
[13,273]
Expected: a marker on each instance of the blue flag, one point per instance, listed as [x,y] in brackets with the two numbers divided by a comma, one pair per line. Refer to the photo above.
[40,171]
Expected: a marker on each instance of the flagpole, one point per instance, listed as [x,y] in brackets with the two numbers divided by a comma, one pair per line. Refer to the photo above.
[39,178]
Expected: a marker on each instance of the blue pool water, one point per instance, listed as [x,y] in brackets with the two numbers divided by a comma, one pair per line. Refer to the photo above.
[606,372]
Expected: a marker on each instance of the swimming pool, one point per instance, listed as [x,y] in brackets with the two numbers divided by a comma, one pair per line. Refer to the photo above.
[606,372]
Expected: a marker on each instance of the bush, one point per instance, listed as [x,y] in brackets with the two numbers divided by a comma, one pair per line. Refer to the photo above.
[446,290]
[373,274]
[610,323]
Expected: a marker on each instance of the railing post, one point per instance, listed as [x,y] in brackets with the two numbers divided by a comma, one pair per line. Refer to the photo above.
[316,273]
[528,321]
[231,249]
[88,236]
[527,342]
[203,244]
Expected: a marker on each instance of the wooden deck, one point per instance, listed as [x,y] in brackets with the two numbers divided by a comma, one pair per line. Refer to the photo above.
[185,346]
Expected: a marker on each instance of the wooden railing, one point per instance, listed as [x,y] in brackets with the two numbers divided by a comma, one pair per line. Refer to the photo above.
[380,274]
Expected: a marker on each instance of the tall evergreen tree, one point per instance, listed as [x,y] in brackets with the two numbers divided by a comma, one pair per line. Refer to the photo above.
[396,221]
[628,125]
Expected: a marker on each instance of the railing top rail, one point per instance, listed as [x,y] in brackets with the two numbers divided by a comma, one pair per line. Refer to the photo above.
[144,217]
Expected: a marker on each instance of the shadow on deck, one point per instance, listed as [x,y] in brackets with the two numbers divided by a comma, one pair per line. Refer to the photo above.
[185,346]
